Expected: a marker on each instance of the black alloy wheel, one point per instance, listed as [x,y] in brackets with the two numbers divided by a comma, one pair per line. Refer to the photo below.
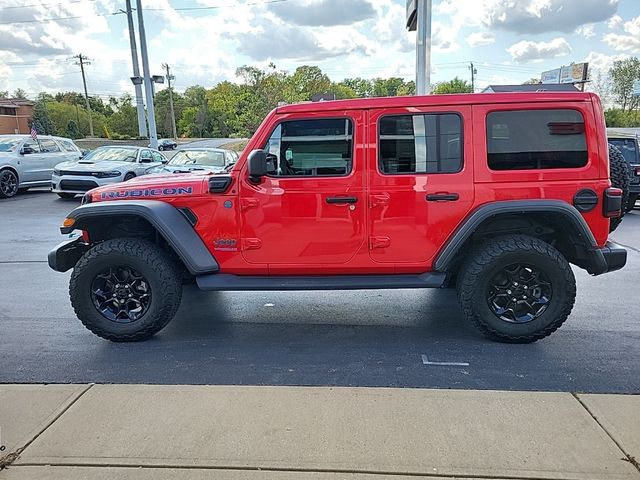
[8,184]
[519,293]
[121,294]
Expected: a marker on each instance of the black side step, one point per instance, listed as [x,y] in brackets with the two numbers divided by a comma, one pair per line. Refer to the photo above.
[223,281]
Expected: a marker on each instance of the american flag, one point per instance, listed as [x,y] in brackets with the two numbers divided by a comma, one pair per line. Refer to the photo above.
[34,132]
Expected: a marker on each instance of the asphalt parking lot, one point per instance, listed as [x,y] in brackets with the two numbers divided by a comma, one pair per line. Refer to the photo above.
[367,338]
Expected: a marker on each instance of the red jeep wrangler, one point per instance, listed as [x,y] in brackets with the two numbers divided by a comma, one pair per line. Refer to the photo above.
[494,194]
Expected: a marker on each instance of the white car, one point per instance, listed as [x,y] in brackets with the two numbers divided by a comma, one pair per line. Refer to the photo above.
[103,166]
[209,160]
[26,163]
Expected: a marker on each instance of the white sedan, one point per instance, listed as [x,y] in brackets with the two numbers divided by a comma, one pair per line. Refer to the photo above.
[103,166]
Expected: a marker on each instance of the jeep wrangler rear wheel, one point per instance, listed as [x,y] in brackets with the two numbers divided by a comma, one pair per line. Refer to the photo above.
[516,289]
[125,289]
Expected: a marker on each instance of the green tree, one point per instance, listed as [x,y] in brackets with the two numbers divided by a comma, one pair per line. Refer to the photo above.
[391,87]
[40,118]
[162,109]
[124,119]
[532,81]
[73,130]
[456,85]
[306,82]
[4,93]
[20,93]
[362,86]
[623,74]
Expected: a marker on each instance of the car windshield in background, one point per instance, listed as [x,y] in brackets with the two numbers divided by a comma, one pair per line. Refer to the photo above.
[112,155]
[627,147]
[9,144]
[210,159]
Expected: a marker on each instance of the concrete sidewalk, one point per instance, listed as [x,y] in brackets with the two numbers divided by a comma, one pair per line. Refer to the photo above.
[286,433]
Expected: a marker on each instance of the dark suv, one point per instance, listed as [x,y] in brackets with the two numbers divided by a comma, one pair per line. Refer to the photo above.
[627,140]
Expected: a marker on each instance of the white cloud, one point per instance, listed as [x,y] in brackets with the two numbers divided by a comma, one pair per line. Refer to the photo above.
[627,42]
[323,12]
[615,22]
[527,51]
[479,39]
[587,31]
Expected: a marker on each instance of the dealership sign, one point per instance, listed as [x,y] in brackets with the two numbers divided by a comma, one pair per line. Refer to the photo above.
[574,73]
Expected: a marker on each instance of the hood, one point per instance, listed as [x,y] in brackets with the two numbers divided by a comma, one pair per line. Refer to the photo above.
[176,169]
[89,166]
[153,187]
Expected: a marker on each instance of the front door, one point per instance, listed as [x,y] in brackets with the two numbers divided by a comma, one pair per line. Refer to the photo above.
[32,161]
[52,155]
[421,181]
[310,209]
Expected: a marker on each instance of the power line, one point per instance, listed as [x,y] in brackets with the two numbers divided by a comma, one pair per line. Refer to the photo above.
[44,4]
[45,20]
[216,7]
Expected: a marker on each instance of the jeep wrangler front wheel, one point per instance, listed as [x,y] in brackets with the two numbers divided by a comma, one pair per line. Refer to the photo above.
[516,289]
[125,289]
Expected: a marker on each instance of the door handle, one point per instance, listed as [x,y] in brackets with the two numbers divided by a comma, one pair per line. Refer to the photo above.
[442,197]
[342,199]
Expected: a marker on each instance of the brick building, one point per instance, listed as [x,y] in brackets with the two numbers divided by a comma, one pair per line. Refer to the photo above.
[14,114]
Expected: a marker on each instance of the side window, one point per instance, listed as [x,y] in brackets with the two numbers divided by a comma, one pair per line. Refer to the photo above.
[311,148]
[68,146]
[157,157]
[536,139]
[31,146]
[146,155]
[49,146]
[413,144]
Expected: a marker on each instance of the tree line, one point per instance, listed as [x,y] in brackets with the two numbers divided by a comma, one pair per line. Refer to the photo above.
[235,109]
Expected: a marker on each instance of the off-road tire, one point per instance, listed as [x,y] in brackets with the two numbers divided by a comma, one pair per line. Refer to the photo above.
[67,196]
[488,259]
[619,174]
[8,183]
[129,176]
[146,258]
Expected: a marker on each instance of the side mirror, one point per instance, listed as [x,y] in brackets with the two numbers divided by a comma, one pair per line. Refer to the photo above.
[257,165]
[146,160]
[26,151]
[84,153]
[164,161]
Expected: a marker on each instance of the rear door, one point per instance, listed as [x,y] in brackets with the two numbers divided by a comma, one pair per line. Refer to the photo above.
[52,155]
[421,181]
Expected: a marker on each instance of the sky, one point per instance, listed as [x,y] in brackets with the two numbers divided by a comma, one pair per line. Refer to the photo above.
[204,41]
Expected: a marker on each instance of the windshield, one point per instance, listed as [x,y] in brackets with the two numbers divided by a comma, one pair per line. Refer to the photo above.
[628,148]
[9,144]
[208,158]
[111,154]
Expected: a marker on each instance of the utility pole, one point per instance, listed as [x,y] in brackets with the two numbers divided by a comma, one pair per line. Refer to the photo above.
[82,61]
[142,123]
[173,115]
[473,77]
[153,135]
[423,47]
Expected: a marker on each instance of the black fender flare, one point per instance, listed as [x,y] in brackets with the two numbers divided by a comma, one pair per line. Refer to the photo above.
[169,222]
[595,262]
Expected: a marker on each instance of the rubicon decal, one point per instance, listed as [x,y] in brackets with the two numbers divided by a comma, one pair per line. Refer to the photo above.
[147,192]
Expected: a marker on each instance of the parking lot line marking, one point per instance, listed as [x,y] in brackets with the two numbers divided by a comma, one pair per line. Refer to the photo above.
[425,361]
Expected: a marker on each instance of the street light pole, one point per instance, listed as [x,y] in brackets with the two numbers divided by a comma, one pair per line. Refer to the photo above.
[148,91]
[142,122]
[423,47]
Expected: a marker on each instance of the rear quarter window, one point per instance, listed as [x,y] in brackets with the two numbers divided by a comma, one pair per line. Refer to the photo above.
[536,139]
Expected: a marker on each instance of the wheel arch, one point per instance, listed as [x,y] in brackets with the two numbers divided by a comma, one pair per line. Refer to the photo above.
[13,169]
[159,221]
[553,221]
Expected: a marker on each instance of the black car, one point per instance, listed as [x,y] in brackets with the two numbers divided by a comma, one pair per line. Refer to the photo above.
[627,140]
[166,144]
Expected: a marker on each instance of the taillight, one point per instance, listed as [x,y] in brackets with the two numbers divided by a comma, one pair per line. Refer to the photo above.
[612,205]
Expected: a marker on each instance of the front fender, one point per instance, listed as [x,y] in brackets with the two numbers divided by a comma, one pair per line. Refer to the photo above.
[166,219]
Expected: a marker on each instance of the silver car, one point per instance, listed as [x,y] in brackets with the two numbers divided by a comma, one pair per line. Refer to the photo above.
[103,166]
[26,163]
[210,160]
